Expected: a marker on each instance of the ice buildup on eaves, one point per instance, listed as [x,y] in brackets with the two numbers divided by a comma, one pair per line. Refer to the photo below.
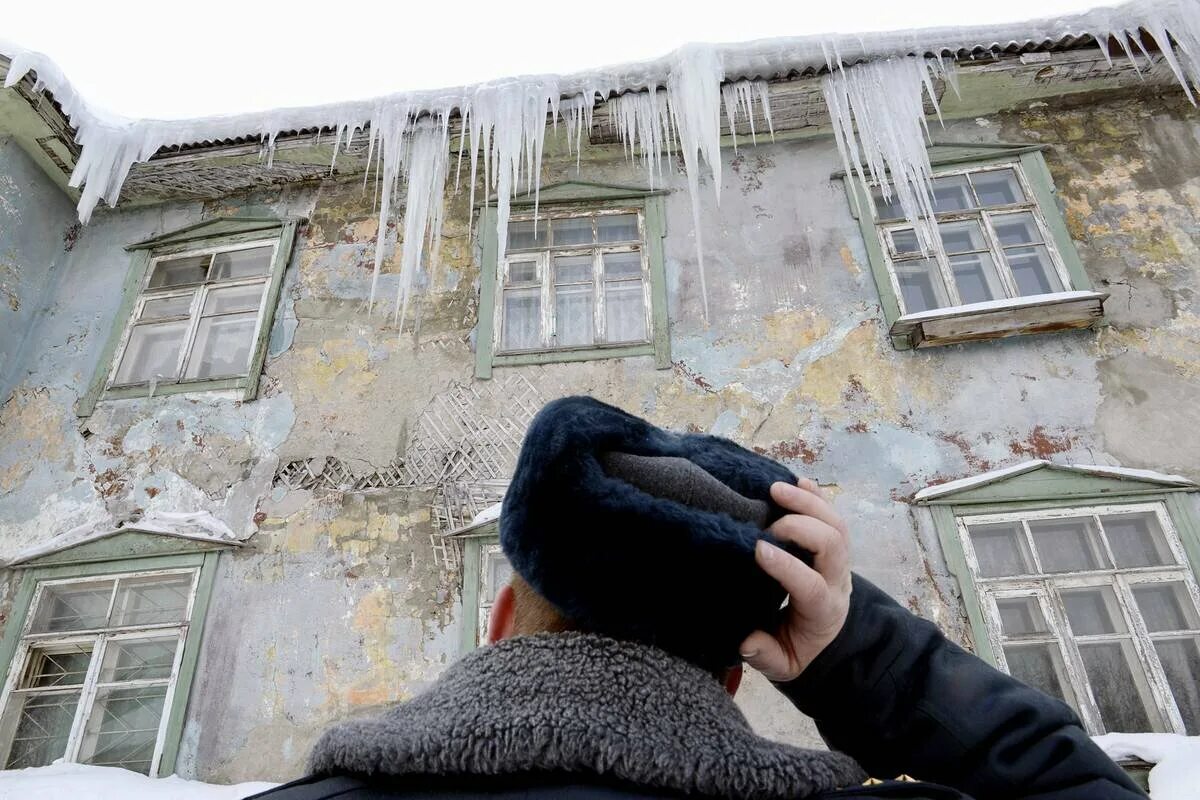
[675,103]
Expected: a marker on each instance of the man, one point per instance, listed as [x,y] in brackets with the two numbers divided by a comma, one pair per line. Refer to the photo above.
[649,565]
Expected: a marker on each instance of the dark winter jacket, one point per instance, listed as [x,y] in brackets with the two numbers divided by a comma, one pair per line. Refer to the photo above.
[589,718]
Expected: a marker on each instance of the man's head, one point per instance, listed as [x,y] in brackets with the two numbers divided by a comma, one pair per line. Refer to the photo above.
[642,534]
[520,611]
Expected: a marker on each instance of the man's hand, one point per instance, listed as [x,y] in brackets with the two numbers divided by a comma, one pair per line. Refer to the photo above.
[818,596]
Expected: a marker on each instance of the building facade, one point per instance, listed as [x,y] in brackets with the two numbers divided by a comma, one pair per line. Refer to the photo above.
[238,504]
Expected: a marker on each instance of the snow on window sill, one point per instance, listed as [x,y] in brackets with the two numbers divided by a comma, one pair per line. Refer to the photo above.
[998,318]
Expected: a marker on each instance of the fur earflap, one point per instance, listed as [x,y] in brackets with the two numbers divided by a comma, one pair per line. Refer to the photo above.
[618,560]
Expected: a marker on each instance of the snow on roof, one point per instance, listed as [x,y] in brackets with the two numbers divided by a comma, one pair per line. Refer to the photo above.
[663,106]
[199,526]
[993,476]
[1176,760]
[86,782]
[490,513]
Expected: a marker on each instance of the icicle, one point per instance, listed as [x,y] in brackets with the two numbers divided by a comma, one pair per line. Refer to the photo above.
[884,100]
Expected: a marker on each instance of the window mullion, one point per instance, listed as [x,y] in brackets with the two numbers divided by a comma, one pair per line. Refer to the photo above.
[189,338]
[87,696]
[997,251]
[168,699]
[1160,690]
[1033,553]
[943,262]
[548,327]
[1089,711]
[598,294]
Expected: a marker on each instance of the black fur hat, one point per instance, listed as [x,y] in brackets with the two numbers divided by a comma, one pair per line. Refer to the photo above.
[640,533]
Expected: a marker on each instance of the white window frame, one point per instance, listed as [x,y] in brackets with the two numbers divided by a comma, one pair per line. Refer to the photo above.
[199,292]
[98,638]
[544,258]
[1120,579]
[885,228]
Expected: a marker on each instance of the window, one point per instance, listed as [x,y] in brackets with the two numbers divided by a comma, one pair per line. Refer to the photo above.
[574,280]
[495,573]
[581,278]
[197,310]
[991,245]
[1095,606]
[998,260]
[95,670]
[1080,580]
[197,317]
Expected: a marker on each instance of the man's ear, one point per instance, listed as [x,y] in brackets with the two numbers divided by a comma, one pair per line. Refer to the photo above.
[503,617]
[733,679]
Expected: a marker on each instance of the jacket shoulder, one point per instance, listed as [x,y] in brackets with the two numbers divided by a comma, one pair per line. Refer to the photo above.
[895,790]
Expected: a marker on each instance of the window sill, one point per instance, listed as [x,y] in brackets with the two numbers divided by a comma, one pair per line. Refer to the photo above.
[998,318]
[573,354]
[143,390]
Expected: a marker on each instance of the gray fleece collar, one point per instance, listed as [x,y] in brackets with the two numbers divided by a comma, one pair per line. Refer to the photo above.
[573,702]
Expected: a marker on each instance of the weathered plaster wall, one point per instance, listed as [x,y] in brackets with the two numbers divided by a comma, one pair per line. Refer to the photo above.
[336,606]
[36,230]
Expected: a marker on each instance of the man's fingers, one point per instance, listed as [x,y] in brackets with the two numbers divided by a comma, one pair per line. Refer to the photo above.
[762,651]
[831,557]
[798,579]
[801,500]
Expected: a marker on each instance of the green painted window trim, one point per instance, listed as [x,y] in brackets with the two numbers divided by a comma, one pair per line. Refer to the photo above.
[221,232]
[206,561]
[1033,164]
[472,573]
[654,214]
[1084,491]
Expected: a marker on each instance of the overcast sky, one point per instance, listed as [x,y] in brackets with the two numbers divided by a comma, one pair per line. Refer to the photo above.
[186,59]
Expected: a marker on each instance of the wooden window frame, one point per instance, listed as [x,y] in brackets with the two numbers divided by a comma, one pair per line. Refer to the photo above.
[1078,305]
[476,546]
[649,207]
[220,235]
[1045,586]
[200,560]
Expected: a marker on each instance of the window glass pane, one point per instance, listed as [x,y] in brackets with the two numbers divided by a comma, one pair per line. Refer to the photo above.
[976,278]
[42,725]
[152,352]
[523,236]
[1033,271]
[1166,606]
[886,209]
[625,312]
[904,242]
[921,285]
[951,194]
[72,607]
[572,231]
[1093,611]
[1136,540]
[573,320]
[1000,549]
[56,666]
[138,660]
[234,298]
[179,271]
[497,574]
[222,346]
[123,728]
[997,187]
[177,306]
[1016,229]
[152,600]
[1039,666]
[962,237]
[1067,545]
[623,265]
[1118,685]
[1181,662]
[242,263]
[572,269]
[522,316]
[522,272]
[617,228]
[1021,616]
